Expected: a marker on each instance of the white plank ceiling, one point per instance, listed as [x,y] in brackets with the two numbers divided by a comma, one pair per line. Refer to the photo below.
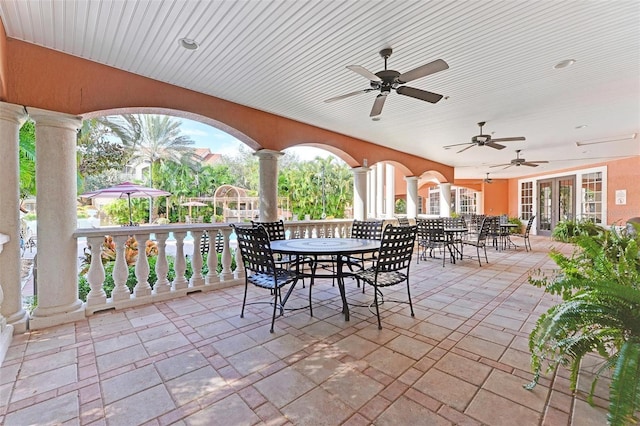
[286,57]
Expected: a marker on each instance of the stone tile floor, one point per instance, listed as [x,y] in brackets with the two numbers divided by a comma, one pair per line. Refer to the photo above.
[462,359]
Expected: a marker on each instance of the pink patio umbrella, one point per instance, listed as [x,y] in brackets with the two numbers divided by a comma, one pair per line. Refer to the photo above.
[126,190]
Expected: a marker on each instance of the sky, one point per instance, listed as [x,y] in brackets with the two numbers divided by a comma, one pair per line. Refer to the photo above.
[220,142]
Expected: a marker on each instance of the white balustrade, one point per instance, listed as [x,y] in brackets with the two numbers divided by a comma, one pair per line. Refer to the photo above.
[143,293]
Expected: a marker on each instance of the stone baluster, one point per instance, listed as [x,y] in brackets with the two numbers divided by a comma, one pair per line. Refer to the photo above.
[96,274]
[180,265]
[197,280]
[240,270]
[162,266]
[226,273]
[142,288]
[120,270]
[212,259]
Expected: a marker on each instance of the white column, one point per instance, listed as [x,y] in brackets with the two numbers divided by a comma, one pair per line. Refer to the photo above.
[57,262]
[412,196]
[12,316]
[268,187]
[373,194]
[360,193]
[390,191]
[445,199]
[379,190]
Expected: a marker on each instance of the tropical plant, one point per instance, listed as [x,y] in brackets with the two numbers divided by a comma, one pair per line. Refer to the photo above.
[515,221]
[27,156]
[567,230]
[600,287]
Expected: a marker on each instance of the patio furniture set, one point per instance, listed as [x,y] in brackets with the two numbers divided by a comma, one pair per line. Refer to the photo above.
[371,255]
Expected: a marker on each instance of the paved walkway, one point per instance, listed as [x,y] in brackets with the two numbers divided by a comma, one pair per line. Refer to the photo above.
[462,359]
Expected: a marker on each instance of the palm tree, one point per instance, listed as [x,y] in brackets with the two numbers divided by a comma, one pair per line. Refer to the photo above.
[152,139]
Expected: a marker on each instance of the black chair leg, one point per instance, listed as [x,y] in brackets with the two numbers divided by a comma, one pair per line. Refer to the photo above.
[409,295]
[478,253]
[275,306]
[244,300]
[485,255]
[375,302]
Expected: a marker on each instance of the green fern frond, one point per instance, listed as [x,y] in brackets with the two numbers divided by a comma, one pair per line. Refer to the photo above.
[624,397]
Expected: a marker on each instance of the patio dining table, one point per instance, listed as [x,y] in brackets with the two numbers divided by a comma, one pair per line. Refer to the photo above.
[453,234]
[327,250]
[505,233]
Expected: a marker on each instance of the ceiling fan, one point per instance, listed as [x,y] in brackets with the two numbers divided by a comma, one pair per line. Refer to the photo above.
[487,179]
[520,162]
[386,80]
[485,140]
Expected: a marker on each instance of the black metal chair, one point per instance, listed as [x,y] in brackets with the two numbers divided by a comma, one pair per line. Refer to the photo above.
[261,269]
[368,230]
[392,264]
[480,242]
[431,237]
[525,234]
[204,242]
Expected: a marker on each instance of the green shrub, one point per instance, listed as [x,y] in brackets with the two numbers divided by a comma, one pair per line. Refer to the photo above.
[566,231]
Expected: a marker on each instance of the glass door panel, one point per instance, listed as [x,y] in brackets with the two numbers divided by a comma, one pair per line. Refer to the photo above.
[556,202]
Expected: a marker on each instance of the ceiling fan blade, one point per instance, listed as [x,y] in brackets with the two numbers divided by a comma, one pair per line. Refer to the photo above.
[423,71]
[364,72]
[377,105]
[419,94]
[533,163]
[464,149]
[516,138]
[458,144]
[494,145]
[502,165]
[348,95]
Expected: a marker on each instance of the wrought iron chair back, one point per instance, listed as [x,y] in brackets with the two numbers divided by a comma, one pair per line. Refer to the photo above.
[260,266]
[367,229]
[392,264]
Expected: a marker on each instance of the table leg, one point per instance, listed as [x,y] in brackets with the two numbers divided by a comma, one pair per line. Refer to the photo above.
[345,306]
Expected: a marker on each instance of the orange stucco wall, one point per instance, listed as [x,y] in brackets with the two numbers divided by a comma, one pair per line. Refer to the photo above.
[621,174]
[47,79]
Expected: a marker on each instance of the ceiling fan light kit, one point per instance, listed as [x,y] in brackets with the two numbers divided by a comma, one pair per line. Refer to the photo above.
[387,80]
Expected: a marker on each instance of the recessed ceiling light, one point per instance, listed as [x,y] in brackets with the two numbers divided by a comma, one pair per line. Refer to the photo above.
[564,64]
[582,126]
[188,43]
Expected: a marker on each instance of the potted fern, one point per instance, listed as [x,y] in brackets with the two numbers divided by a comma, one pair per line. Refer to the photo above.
[600,312]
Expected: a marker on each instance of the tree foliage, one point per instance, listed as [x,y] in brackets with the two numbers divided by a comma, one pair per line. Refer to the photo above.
[27,157]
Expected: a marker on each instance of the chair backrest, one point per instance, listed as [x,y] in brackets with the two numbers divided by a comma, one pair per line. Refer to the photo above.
[275,230]
[434,228]
[485,228]
[367,229]
[204,242]
[403,221]
[493,225]
[449,222]
[396,248]
[255,248]
[529,224]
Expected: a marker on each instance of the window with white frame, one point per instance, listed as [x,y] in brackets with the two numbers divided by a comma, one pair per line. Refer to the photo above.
[434,201]
[420,205]
[467,204]
[591,197]
[526,200]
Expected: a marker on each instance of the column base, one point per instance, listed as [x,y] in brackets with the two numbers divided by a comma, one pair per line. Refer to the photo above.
[38,322]
[5,341]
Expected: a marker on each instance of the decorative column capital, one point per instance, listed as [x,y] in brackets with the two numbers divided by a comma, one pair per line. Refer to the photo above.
[360,170]
[268,154]
[45,117]
[411,178]
[12,112]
